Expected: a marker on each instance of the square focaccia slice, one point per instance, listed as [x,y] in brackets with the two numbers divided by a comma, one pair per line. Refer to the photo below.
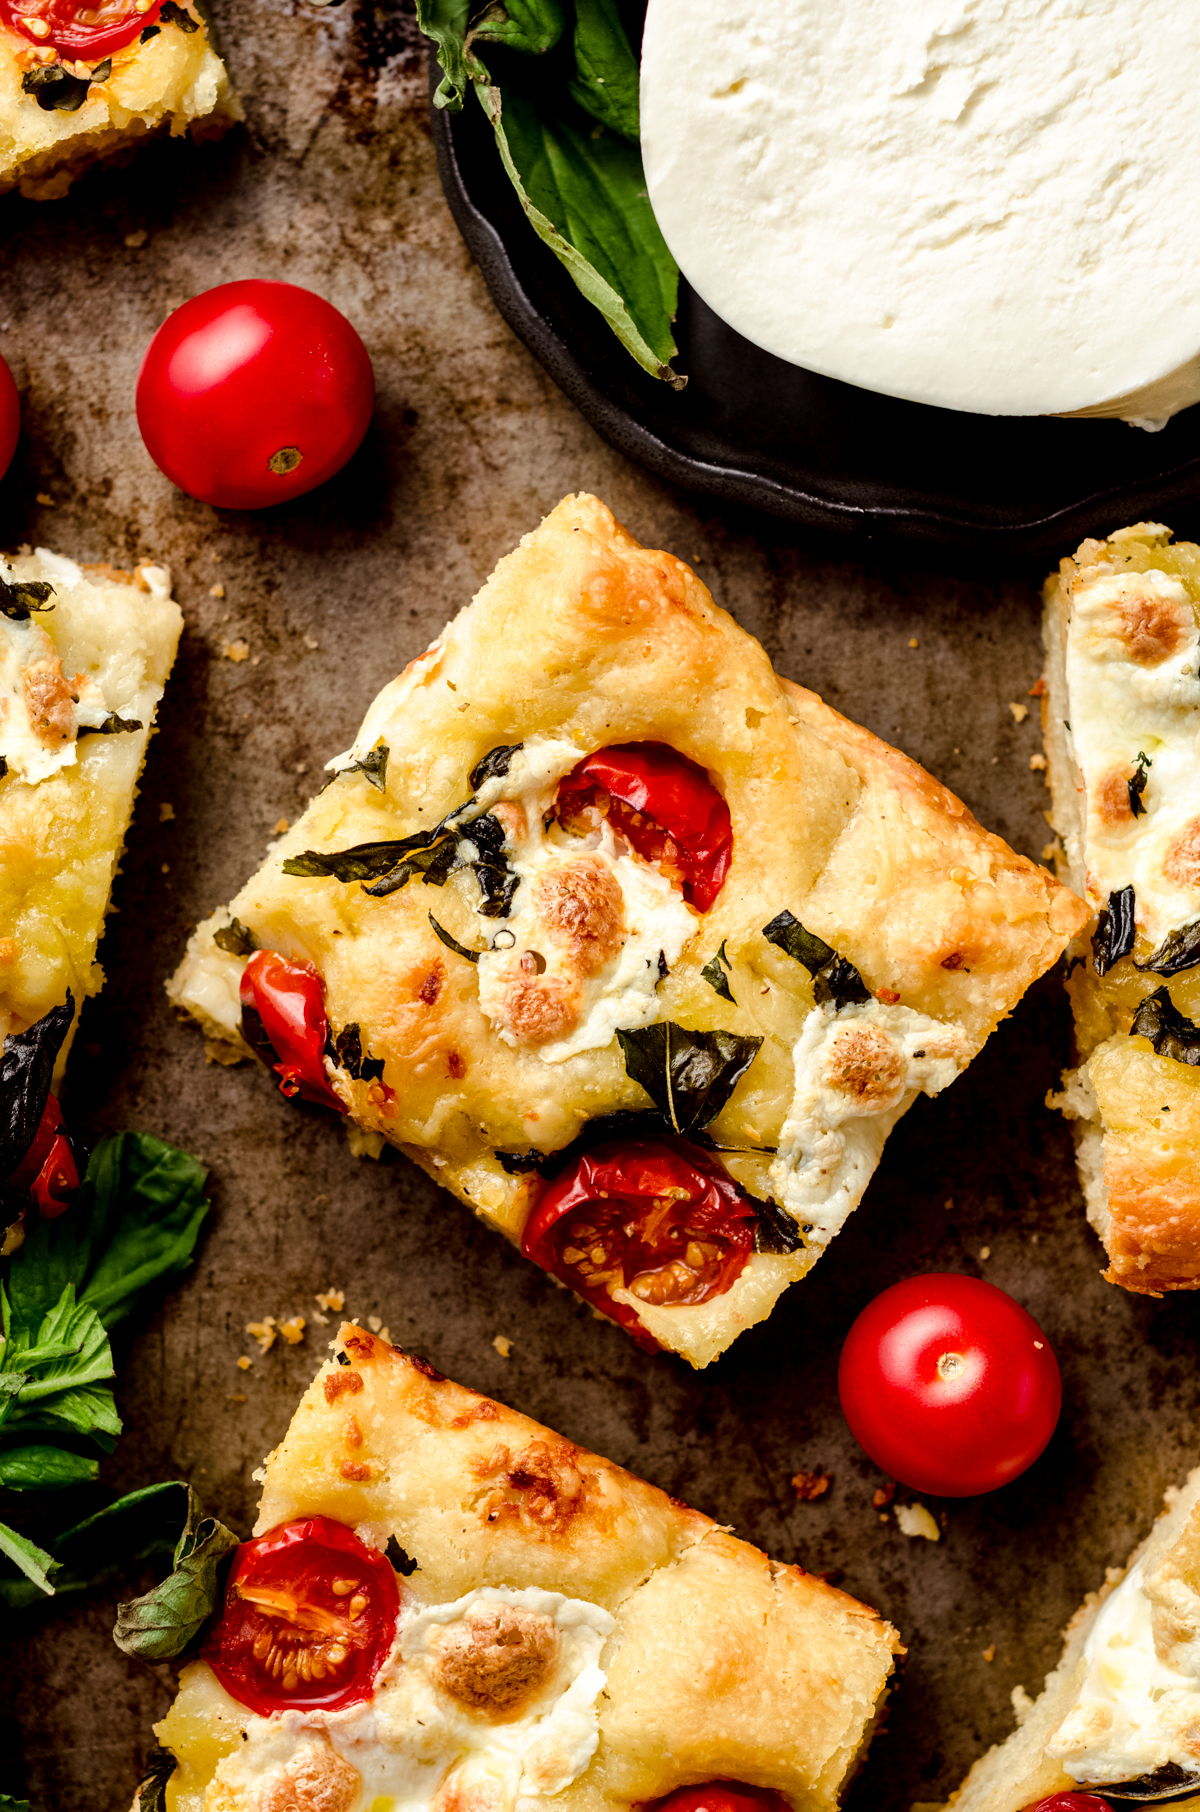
[79,83]
[1118,1716]
[1122,722]
[562,1634]
[84,657]
[635,947]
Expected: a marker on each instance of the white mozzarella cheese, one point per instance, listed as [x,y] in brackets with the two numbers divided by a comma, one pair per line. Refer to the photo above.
[980,204]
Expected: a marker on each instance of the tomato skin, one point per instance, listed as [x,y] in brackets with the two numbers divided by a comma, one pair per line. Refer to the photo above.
[115,24]
[48,1169]
[621,1188]
[976,1424]
[248,373]
[280,1590]
[290,1002]
[720,1796]
[655,781]
[1070,1802]
[10,417]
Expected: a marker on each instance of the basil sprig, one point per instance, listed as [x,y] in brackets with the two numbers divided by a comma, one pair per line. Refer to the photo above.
[165,1621]
[1170,1032]
[834,978]
[688,1075]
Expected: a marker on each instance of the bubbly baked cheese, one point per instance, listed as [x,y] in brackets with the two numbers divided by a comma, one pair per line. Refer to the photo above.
[56,119]
[496,993]
[633,1619]
[84,658]
[958,205]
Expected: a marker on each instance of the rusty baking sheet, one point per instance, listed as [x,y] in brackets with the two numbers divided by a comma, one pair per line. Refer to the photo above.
[332,184]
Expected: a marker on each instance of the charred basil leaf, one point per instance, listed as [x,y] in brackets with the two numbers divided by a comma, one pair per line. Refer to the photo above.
[3,767]
[834,978]
[175,15]
[20,596]
[688,1075]
[235,939]
[1137,785]
[1169,1031]
[497,881]
[372,767]
[254,1034]
[1179,950]
[777,1230]
[348,1052]
[1154,1785]
[26,1068]
[452,943]
[494,765]
[714,974]
[56,90]
[1114,935]
[148,32]
[152,1788]
[362,862]
[431,865]
[165,1621]
[112,726]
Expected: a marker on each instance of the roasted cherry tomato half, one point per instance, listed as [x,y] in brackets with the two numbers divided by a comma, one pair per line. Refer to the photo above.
[720,1796]
[253,393]
[48,1169]
[289,1003]
[309,1618]
[10,417]
[1071,1802]
[82,31]
[664,1222]
[949,1385]
[664,806]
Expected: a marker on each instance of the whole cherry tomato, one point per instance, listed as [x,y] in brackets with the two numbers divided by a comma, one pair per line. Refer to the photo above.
[83,31]
[48,1169]
[664,1222]
[1071,1802]
[10,418]
[720,1796]
[949,1385]
[665,807]
[289,1003]
[309,1618]
[253,393]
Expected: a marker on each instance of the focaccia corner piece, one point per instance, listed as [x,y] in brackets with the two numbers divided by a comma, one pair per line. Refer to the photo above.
[1122,722]
[1122,1708]
[62,111]
[568,1636]
[728,951]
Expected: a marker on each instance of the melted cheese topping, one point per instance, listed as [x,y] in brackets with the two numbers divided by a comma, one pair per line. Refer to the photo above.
[487,1703]
[1132,1714]
[857,1069]
[42,709]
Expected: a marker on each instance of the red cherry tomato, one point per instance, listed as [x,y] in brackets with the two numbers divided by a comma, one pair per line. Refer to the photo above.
[949,1385]
[309,1618]
[664,1222]
[82,31]
[10,418]
[720,1796]
[289,1002]
[48,1170]
[253,393]
[665,807]
[1071,1802]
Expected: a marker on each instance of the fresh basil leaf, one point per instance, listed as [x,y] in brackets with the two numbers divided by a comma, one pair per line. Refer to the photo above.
[1115,931]
[446,21]
[235,939]
[34,1562]
[348,1053]
[452,943]
[372,766]
[1179,950]
[165,1621]
[606,83]
[834,977]
[714,974]
[74,1333]
[18,597]
[26,1071]
[688,1075]
[87,1409]
[777,1230]
[8,1804]
[140,1526]
[1169,1031]
[494,765]
[152,1788]
[532,26]
[39,1468]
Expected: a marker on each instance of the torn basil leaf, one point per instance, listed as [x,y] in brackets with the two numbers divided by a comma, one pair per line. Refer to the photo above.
[372,767]
[137,1527]
[56,90]
[1169,1031]
[112,726]
[26,1070]
[688,1075]
[235,939]
[164,1622]
[497,881]
[777,1230]
[172,14]
[1115,932]
[1179,950]
[18,597]
[494,765]
[152,1788]
[452,943]
[1137,785]
[348,1052]
[606,70]
[35,1563]
[714,974]
[834,978]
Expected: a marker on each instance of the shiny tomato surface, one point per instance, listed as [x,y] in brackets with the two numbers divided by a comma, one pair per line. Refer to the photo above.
[720,1796]
[253,393]
[949,1385]
[82,31]
[290,1003]
[10,417]
[48,1170]
[1070,1802]
[664,1222]
[308,1619]
[665,807]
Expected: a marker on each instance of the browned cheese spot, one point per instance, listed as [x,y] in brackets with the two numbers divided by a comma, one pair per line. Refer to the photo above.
[953,961]
[543,1484]
[360,1345]
[511,814]
[581,907]
[49,703]
[1153,628]
[352,1433]
[356,1470]
[315,1780]
[482,1410]
[539,1008]
[1112,798]
[497,1659]
[866,1066]
[431,985]
[1182,864]
[456,1066]
[339,1382]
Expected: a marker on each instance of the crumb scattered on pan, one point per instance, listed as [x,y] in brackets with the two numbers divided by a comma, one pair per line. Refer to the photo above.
[331,1300]
[376,1326]
[293,1329]
[503,1345]
[135,241]
[244,1363]
[310,641]
[1020,712]
[985,1252]
[1038,689]
[884,1495]
[948,1204]
[1037,763]
[263,1331]
[809,1486]
[915,1519]
[166,868]
[238,1396]
[236,651]
[165,813]
[1049,851]
[45,498]
[989,1653]
[280,826]
[912,642]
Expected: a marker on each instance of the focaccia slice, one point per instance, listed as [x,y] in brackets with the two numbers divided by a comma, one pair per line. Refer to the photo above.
[1120,1709]
[58,116]
[507,981]
[1122,721]
[706,1660]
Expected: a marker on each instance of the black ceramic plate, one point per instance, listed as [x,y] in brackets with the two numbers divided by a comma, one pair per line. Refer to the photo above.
[751,429]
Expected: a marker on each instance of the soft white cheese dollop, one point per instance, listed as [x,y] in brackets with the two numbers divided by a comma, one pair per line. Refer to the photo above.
[1132,1715]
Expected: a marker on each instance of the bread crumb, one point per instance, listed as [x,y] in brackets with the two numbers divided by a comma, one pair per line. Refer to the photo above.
[166,868]
[45,498]
[884,1495]
[989,1653]
[165,813]
[809,1486]
[985,1252]
[1037,763]
[503,1345]
[310,641]
[280,827]
[216,591]
[374,1323]
[948,1204]
[1038,689]
[135,241]
[331,1299]
[237,1397]
[236,651]
[915,1519]
[1049,850]
[912,642]
[293,1329]
[263,1331]
[243,1363]
[1020,712]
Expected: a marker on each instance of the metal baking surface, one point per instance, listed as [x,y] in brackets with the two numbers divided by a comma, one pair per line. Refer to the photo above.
[332,184]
